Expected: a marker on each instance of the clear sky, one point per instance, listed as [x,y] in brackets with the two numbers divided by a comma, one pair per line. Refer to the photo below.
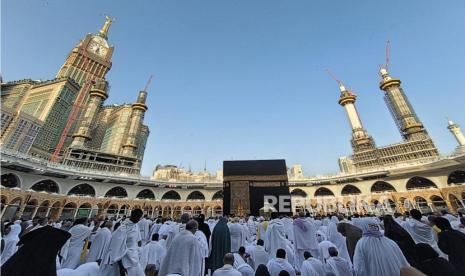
[246,79]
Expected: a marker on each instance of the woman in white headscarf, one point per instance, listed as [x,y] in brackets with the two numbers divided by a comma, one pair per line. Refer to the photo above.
[339,240]
[10,240]
[375,254]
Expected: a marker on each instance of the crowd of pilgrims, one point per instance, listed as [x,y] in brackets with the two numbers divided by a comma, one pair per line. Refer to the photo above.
[408,244]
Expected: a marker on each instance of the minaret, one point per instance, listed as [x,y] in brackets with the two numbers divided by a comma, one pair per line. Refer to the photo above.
[360,138]
[137,116]
[458,134]
[406,120]
[98,93]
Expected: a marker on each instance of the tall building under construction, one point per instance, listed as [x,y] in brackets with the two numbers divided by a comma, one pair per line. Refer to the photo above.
[65,119]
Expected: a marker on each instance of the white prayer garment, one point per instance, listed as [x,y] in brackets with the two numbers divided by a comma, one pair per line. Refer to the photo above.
[252,225]
[204,249]
[73,248]
[152,254]
[304,239]
[259,256]
[211,224]
[339,266]
[241,265]
[422,233]
[376,254]
[245,269]
[290,254]
[275,237]
[144,228]
[87,269]
[154,229]
[227,270]
[312,267]
[10,241]
[288,228]
[339,240]
[99,244]
[183,256]
[237,238]
[323,248]
[277,264]
[123,247]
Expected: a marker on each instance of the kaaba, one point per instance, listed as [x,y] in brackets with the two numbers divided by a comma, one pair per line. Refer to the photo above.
[247,182]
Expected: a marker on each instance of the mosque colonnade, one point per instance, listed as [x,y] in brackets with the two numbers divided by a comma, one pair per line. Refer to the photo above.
[26,195]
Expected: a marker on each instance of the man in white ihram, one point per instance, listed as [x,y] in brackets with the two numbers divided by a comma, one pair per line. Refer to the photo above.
[304,238]
[275,238]
[279,263]
[184,255]
[152,254]
[122,255]
[237,235]
[144,228]
[227,269]
[100,243]
[258,255]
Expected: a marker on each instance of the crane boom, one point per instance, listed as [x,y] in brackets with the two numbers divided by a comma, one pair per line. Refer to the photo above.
[388,53]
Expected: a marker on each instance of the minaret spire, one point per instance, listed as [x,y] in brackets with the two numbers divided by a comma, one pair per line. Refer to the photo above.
[106,26]
[458,134]
[360,138]
[137,117]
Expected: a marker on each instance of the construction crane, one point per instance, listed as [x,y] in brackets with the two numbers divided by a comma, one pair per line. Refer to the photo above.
[148,83]
[388,54]
[75,110]
[341,84]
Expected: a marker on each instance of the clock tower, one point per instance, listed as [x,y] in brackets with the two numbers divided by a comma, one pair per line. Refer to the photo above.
[90,59]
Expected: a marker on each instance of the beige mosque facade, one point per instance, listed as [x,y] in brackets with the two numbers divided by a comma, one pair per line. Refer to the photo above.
[87,163]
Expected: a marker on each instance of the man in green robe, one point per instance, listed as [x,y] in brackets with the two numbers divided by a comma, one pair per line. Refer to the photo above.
[220,244]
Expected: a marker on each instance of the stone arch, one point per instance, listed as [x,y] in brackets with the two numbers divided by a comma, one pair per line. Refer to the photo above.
[454,201]
[12,208]
[69,210]
[196,195]
[422,204]
[55,210]
[418,182]
[322,191]
[42,210]
[84,210]
[455,177]
[146,194]
[217,210]
[82,190]
[117,192]
[112,209]
[30,208]
[382,186]
[438,202]
[123,210]
[166,211]
[218,195]
[46,185]
[177,211]
[197,210]
[11,180]
[298,193]
[3,202]
[187,209]
[171,195]
[350,190]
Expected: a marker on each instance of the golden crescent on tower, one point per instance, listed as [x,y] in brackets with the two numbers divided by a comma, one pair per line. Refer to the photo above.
[104,30]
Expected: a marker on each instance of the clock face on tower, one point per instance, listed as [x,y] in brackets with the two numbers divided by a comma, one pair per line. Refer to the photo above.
[97,48]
